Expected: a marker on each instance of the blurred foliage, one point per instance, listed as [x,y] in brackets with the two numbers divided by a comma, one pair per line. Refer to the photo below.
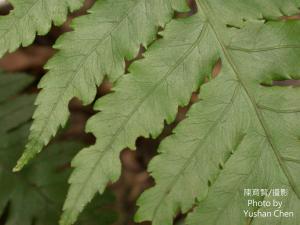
[35,195]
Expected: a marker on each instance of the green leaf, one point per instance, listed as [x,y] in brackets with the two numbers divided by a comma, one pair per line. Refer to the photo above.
[14,111]
[10,84]
[139,105]
[113,30]
[172,69]
[32,17]
[241,124]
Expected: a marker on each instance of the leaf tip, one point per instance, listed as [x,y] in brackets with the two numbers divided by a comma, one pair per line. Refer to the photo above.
[20,165]
[66,219]
[16,169]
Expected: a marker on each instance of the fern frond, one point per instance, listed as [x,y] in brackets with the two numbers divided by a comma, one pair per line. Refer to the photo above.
[141,102]
[32,17]
[172,69]
[242,133]
[240,125]
[113,30]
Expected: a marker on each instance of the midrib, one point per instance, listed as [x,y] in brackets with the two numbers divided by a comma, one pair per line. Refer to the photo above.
[212,22]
